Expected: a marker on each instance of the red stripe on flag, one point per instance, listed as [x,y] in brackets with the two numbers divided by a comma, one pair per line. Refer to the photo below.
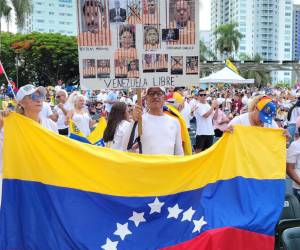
[1,69]
[227,239]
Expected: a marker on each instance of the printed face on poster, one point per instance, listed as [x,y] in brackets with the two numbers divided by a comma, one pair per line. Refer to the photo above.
[138,43]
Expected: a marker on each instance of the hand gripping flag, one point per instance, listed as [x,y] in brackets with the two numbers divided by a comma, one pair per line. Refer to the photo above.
[185,136]
[62,194]
[95,137]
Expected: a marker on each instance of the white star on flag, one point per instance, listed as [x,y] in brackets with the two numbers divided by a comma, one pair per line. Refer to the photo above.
[174,211]
[199,224]
[110,245]
[188,215]
[137,218]
[156,206]
[122,230]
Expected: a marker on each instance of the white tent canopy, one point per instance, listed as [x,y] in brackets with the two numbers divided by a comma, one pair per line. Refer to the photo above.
[226,75]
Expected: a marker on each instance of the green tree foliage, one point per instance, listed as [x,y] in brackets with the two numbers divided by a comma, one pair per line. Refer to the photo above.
[21,8]
[42,58]
[261,76]
[205,53]
[228,39]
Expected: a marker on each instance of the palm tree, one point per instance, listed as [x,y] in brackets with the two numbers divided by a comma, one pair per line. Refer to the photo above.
[261,76]
[22,9]
[228,39]
[7,15]
[205,53]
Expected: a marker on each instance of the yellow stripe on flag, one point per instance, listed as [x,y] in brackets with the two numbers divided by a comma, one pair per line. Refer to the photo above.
[34,153]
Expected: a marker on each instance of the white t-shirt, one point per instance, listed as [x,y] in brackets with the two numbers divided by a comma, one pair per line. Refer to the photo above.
[61,116]
[186,114]
[294,115]
[293,156]
[161,135]
[204,125]
[244,120]
[82,121]
[46,110]
[118,137]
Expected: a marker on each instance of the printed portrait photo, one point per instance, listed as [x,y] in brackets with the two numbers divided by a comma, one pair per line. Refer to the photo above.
[134,10]
[94,29]
[161,63]
[117,12]
[89,68]
[149,63]
[103,68]
[133,68]
[176,65]
[182,17]
[151,12]
[170,35]
[192,67]
[127,37]
[151,37]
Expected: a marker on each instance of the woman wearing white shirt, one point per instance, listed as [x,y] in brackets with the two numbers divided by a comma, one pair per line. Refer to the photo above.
[261,113]
[80,116]
[30,102]
[117,122]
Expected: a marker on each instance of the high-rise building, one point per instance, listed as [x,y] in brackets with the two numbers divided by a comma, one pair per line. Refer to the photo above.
[266,25]
[55,16]
[296,32]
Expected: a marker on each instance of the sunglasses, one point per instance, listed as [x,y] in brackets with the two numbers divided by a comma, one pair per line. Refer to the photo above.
[152,94]
[37,97]
[202,94]
[58,96]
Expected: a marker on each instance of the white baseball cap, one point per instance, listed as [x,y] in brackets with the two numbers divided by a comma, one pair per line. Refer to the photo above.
[28,90]
[161,88]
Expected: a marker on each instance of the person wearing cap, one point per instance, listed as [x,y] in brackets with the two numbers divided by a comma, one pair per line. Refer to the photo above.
[161,133]
[293,162]
[204,113]
[61,109]
[29,103]
[261,113]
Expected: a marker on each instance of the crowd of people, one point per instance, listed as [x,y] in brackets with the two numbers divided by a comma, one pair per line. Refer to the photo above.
[165,115]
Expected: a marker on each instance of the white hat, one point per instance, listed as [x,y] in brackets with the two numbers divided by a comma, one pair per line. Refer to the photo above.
[161,88]
[28,90]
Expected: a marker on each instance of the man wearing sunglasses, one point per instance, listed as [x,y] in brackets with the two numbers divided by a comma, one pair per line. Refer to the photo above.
[204,113]
[161,133]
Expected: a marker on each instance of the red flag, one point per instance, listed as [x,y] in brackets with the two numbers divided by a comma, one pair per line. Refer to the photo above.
[1,69]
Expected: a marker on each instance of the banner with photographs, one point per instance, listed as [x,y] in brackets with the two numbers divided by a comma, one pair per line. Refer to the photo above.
[138,43]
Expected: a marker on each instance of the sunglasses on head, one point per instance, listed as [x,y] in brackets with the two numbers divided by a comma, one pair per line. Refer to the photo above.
[37,96]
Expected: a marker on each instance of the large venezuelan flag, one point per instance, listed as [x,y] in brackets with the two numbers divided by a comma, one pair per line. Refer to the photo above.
[63,194]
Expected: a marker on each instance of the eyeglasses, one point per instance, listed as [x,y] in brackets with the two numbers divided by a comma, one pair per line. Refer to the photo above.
[58,96]
[152,94]
[37,97]
[202,94]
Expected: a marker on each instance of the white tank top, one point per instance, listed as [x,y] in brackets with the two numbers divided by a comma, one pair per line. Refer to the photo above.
[82,121]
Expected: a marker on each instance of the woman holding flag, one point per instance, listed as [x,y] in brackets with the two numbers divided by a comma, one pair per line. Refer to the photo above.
[29,103]
[80,116]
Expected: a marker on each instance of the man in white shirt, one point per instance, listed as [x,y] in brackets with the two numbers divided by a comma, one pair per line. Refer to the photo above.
[161,133]
[46,112]
[204,115]
[293,163]
[61,109]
